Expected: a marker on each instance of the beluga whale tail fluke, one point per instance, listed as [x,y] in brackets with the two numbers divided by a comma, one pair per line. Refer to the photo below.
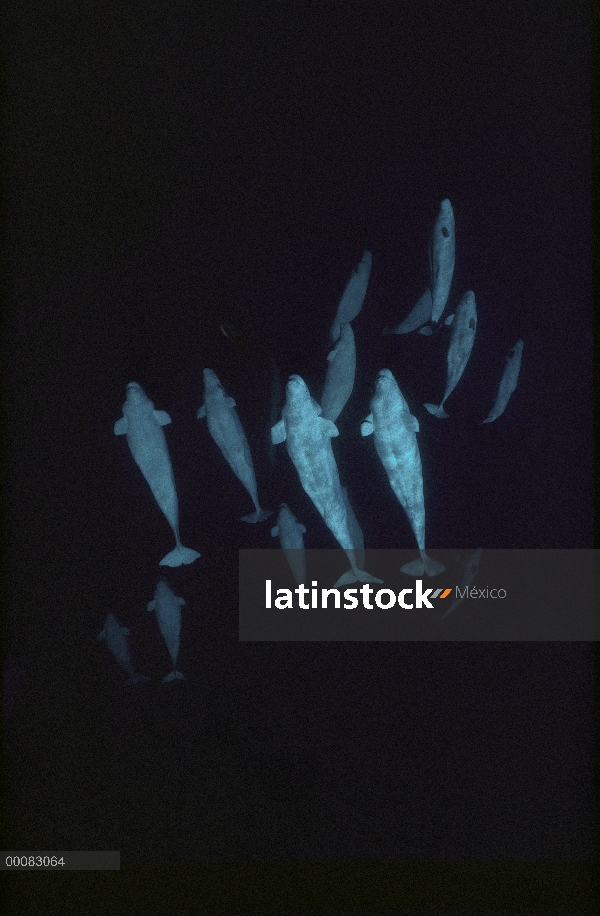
[425,565]
[259,516]
[180,556]
[173,676]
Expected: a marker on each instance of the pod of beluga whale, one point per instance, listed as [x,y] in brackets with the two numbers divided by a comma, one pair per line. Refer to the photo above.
[394,431]
[142,425]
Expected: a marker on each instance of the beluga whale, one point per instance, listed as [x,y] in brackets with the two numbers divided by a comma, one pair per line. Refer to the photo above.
[462,336]
[394,431]
[116,640]
[339,380]
[508,382]
[142,425]
[308,439]
[168,614]
[353,296]
[225,428]
[290,533]
[441,259]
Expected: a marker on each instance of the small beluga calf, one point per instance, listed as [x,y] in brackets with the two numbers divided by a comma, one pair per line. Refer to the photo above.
[116,640]
[168,614]
[290,533]
[394,431]
[462,336]
[308,439]
[508,382]
[225,428]
[142,425]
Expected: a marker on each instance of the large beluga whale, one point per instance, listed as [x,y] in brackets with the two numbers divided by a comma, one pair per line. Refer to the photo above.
[116,640]
[142,425]
[339,380]
[308,438]
[508,382]
[353,296]
[168,614]
[462,336]
[394,431]
[441,259]
[290,533]
[225,428]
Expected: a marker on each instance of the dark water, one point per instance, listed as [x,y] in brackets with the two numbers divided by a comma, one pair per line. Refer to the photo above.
[219,181]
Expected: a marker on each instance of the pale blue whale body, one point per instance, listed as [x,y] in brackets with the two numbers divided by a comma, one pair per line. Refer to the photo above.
[308,438]
[441,259]
[353,296]
[116,640]
[290,533]
[225,428]
[339,380]
[462,336]
[143,427]
[508,382]
[394,432]
[168,614]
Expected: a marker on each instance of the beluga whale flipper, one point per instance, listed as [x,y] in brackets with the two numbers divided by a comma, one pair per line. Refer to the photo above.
[462,336]
[441,259]
[508,382]
[308,438]
[142,425]
[168,614]
[339,380]
[394,431]
[353,296]
[116,640]
[290,533]
[225,428]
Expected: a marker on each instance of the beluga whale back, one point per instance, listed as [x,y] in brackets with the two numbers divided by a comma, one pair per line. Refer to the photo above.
[142,425]
[168,614]
[441,259]
[225,428]
[394,431]
[508,382]
[462,336]
[308,438]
